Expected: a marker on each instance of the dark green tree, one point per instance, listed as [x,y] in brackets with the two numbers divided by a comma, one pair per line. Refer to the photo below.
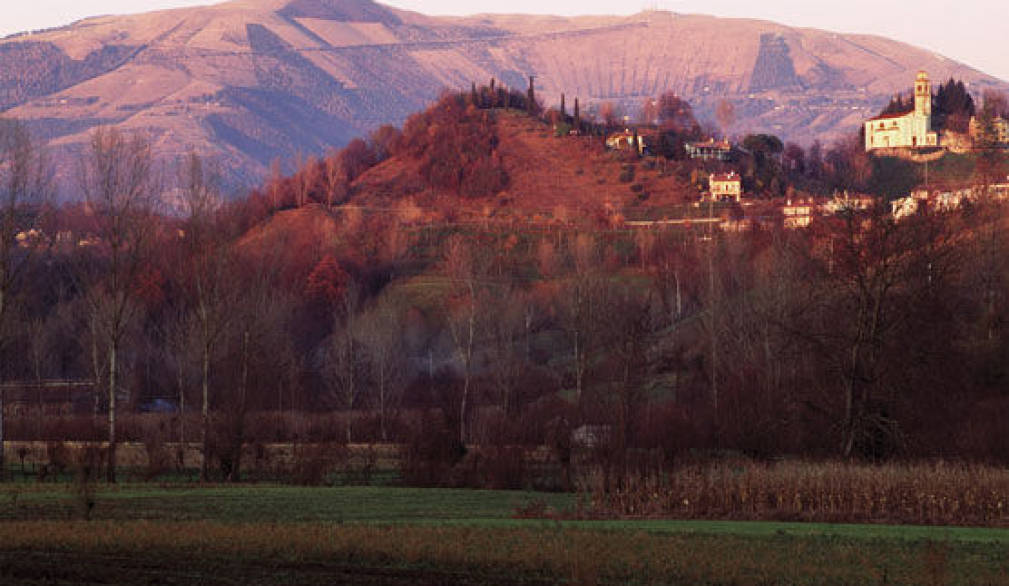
[531,105]
[953,107]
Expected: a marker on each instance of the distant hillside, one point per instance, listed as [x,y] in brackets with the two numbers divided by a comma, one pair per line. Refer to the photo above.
[253,80]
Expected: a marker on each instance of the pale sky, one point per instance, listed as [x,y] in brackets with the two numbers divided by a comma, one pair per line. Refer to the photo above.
[975,32]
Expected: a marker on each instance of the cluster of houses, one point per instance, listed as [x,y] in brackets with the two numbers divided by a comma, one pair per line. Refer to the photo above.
[899,131]
[721,186]
[946,200]
[64,238]
[794,214]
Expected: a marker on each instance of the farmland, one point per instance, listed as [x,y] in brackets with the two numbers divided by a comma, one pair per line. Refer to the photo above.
[147,533]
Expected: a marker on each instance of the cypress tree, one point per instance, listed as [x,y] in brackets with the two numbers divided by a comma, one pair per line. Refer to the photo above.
[578,117]
[531,97]
[564,110]
[473,97]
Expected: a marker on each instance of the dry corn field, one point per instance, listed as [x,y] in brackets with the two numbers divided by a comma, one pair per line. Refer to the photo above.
[936,493]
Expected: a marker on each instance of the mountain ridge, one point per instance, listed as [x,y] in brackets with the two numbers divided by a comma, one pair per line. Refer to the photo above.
[249,81]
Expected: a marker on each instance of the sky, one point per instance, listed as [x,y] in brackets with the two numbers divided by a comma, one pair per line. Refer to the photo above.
[970,31]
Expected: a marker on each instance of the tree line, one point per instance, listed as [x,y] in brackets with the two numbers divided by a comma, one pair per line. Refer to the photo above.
[860,337]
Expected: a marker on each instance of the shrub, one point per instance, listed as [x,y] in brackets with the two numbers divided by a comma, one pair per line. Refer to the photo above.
[313,462]
[88,464]
[430,454]
[58,456]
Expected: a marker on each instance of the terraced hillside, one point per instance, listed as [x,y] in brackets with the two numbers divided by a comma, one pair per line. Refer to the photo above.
[248,81]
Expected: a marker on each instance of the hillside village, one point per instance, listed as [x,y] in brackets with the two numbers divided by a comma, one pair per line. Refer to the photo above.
[898,132]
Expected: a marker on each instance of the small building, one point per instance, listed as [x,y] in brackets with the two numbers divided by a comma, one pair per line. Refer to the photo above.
[709,150]
[626,141]
[798,214]
[27,238]
[1000,128]
[905,129]
[908,206]
[848,203]
[725,186]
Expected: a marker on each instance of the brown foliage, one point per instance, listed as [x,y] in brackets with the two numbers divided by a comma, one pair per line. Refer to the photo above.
[456,146]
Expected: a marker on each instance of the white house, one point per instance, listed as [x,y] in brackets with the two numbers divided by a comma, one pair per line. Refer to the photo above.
[724,186]
[905,130]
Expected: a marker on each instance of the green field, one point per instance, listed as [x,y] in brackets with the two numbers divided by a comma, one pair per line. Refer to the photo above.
[382,535]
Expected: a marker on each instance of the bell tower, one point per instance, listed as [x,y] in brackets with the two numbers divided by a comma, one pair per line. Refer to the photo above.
[922,95]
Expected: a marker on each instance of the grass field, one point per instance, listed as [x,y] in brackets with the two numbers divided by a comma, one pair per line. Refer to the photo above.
[381,535]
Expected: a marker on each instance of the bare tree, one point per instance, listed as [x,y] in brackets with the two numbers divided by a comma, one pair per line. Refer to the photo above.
[176,337]
[259,337]
[210,272]
[580,308]
[116,178]
[336,183]
[24,186]
[464,310]
[305,179]
[507,348]
[382,335]
[275,184]
[344,355]
[881,273]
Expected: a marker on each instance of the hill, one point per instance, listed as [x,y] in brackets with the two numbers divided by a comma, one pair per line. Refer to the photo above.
[546,175]
[248,81]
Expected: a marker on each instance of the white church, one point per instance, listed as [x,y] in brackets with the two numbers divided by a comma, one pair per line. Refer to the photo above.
[905,130]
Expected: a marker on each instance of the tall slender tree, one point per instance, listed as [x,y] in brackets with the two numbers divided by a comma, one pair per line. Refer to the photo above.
[117,180]
[210,274]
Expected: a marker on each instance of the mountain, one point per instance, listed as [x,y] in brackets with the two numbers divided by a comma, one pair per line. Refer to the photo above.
[249,81]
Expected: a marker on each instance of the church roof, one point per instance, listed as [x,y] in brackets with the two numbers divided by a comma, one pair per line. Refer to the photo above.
[891,116]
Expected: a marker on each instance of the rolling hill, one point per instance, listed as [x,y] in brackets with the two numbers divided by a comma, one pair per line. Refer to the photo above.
[249,81]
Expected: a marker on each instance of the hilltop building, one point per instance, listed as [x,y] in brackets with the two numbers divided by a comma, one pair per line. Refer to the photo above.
[905,130]
[709,150]
[724,186]
[629,140]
